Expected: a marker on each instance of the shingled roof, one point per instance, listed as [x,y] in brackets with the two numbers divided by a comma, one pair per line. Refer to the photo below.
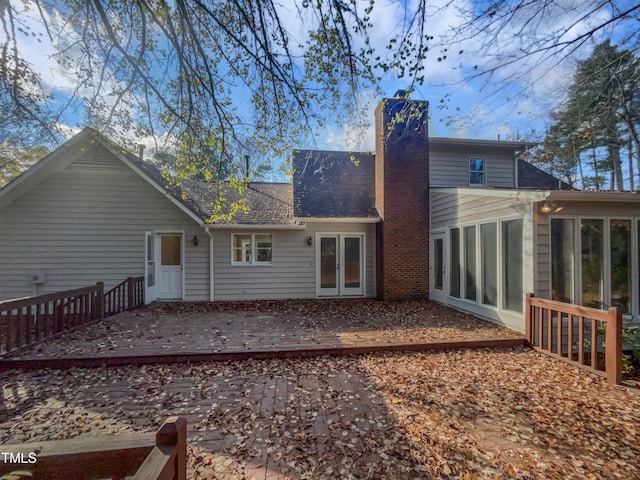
[267,203]
[330,184]
[530,176]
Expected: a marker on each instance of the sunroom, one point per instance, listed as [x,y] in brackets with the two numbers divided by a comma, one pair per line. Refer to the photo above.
[489,247]
[588,244]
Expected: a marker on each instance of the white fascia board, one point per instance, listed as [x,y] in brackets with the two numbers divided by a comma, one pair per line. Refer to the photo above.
[594,196]
[338,219]
[248,226]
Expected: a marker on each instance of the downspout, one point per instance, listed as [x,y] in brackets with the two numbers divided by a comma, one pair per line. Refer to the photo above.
[211,276]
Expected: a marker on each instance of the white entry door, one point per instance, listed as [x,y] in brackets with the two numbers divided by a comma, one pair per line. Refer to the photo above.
[339,265]
[438,281]
[169,267]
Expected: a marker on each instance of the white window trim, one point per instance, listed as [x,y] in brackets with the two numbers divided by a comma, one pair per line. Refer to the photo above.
[483,171]
[500,274]
[253,262]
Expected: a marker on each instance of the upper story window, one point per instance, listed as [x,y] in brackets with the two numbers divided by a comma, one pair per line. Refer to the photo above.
[252,249]
[476,171]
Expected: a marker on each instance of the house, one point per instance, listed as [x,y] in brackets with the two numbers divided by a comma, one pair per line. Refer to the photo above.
[464,222]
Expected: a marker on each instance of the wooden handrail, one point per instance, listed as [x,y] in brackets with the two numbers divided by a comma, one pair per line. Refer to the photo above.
[50,297]
[25,321]
[127,295]
[543,314]
[139,457]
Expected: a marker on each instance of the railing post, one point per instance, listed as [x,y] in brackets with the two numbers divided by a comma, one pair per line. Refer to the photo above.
[130,293]
[528,320]
[173,433]
[100,301]
[613,346]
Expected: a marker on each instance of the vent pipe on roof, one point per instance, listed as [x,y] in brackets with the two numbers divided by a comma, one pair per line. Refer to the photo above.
[400,94]
[141,148]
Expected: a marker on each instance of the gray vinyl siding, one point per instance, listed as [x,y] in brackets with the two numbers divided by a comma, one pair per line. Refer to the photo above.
[85,223]
[450,168]
[543,256]
[453,208]
[293,272]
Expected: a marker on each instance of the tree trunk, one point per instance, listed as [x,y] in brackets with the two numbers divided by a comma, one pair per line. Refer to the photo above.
[630,153]
[634,138]
[581,172]
[595,168]
[617,166]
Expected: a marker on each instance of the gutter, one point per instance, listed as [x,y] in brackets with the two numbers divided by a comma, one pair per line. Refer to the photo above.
[339,219]
[248,226]
[211,273]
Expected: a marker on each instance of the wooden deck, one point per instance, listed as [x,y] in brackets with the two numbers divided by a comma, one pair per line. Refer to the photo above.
[173,333]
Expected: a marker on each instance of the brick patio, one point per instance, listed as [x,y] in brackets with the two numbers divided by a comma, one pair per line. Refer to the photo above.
[168,333]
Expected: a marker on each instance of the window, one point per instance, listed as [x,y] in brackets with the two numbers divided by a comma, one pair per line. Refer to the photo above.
[592,256]
[470,263]
[562,259]
[512,265]
[620,231]
[454,285]
[489,263]
[476,171]
[252,249]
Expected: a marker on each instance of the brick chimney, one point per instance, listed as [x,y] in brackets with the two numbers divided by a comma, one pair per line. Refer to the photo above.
[402,198]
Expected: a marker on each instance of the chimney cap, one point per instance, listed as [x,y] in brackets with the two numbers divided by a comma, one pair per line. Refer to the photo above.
[400,93]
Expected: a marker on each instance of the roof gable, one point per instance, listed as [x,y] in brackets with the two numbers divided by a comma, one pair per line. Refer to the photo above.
[333,184]
[70,151]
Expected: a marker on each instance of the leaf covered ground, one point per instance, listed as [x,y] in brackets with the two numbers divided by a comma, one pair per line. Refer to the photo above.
[222,327]
[458,414]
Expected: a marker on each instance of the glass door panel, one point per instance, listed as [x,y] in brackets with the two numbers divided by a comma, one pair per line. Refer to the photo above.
[170,250]
[512,234]
[328,265]
[562,259]
[489,263]
[621,264]
[454,262]
[438,263]
[438,286]
[470,263]
[352,268]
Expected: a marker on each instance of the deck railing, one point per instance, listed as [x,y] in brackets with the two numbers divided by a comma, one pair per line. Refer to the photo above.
[586,337]
[125,296]
[24,321]
[131,457]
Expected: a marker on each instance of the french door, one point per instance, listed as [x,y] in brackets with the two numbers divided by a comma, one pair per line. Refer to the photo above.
[339,264]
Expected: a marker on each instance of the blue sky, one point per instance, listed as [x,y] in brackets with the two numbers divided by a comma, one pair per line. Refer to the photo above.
[460,106]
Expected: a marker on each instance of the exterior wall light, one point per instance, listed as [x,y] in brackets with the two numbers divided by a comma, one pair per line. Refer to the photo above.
[310,241]
[548,207]
[194,240]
